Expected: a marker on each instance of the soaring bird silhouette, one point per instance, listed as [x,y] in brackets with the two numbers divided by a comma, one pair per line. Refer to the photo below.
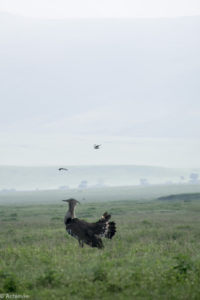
[64,169]
[85,232]
[96,146]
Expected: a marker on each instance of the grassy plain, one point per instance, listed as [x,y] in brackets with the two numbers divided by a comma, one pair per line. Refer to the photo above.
[154,255]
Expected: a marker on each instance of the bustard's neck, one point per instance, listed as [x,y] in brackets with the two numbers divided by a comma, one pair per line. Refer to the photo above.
[71,210]
[70,213]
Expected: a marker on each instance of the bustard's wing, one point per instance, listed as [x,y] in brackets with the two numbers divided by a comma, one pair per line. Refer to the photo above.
[84,231]
[104,228]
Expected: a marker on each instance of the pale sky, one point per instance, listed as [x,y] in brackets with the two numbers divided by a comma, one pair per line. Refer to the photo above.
[130,85]
[101,8]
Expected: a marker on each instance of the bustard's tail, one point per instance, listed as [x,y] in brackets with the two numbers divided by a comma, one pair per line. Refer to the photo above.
[104,228]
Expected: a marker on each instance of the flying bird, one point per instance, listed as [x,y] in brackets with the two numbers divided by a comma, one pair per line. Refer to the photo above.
[96,146]
[85,232]
[64,169]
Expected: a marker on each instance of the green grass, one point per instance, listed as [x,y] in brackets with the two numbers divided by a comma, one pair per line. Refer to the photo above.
[154,255]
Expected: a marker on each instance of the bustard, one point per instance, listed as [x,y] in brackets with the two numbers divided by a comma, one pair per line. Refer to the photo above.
[85,232]
[96,146]
[64,169]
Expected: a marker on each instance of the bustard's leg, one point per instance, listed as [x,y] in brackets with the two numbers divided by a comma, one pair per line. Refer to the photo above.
[81,244]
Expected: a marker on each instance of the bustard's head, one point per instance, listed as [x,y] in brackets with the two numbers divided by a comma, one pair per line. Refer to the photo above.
[72,202]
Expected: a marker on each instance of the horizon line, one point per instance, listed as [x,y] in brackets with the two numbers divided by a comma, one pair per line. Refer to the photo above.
[82,18]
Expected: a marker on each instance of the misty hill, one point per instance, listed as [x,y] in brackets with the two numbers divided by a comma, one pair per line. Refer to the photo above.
[29,178]
[181,197]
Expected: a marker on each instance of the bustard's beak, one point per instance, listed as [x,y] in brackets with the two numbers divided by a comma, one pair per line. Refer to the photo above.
[68,200]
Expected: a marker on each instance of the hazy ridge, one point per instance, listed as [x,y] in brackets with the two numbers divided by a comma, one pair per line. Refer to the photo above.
[30,178]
